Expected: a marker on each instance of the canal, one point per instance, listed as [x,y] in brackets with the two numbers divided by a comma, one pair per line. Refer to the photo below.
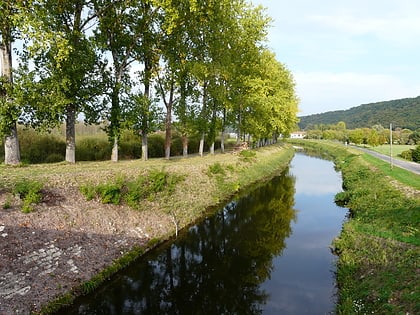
[265,252]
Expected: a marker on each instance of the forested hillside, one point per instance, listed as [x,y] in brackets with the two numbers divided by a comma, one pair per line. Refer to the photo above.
[402,113]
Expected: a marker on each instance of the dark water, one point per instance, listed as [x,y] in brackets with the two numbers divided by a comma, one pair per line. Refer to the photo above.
[263,253]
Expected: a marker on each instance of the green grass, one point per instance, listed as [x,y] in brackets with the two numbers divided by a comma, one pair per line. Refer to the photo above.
[401,175]
[396,149]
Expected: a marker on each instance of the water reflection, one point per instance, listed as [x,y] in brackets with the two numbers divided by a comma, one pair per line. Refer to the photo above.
[217,267]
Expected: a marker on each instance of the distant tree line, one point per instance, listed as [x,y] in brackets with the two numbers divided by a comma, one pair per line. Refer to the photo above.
[403,113]
[374,136]
[194,66]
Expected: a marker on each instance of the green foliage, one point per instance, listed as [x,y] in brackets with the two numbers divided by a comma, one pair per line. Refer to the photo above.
[407,155]
[215,169]
[40,147]
[247,155]
[416,154]
[29,192]
[133,192]
[88,190]
[92,149]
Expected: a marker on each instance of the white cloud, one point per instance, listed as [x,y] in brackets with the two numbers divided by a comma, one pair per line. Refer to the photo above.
[326,91]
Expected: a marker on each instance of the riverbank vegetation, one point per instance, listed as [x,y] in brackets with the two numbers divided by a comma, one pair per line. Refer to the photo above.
[378,248]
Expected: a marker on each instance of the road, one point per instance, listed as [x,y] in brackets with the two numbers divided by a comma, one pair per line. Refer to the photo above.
[409,166]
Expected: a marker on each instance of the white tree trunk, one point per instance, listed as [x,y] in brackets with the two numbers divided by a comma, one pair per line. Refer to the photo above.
[11,142]
[144,147]
[11,147]
[222,142]
[212,148]
[70,135]
[201,148]
[114,154]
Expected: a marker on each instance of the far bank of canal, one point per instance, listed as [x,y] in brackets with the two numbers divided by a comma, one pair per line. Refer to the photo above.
[266,251]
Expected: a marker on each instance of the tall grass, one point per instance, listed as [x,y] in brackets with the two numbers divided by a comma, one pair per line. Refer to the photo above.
[92,145]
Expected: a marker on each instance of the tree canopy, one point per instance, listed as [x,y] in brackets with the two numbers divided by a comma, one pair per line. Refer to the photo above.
[112,62]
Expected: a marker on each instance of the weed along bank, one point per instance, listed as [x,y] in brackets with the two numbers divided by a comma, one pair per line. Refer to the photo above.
[89,223]
[378,248]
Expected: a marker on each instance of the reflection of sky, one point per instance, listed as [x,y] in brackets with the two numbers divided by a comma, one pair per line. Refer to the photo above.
[302,281]
[319,176]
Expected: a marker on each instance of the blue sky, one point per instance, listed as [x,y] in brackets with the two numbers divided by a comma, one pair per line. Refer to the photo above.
[346,53]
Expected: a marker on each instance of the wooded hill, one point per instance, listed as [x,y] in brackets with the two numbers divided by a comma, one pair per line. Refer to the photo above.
[402,113]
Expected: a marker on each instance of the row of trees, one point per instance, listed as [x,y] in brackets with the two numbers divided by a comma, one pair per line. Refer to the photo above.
[374,136]
[120,62]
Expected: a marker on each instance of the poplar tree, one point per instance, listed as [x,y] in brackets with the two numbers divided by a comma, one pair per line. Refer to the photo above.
[9,110]
[65,79]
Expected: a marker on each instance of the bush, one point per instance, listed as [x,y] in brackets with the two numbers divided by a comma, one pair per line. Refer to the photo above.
[216,168]
[416,154]
[29,192]
[93,149]
[40,148]
[54,158]
[247,155]
[110,193]
[132,192]
[407,155]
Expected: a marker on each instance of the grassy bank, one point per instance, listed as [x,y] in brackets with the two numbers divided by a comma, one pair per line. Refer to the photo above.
[206,182]
[377,271]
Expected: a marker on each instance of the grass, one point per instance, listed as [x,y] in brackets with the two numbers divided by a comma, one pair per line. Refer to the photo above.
[396,149]
[379,246]
[406,177]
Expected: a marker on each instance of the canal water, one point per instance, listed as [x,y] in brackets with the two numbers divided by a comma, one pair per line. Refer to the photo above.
[266,252]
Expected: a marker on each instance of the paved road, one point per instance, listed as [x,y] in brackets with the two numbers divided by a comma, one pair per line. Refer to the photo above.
[410,166]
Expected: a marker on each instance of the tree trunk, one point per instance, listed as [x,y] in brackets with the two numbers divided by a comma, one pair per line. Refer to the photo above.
[184,146]
[144,146]
[168,123]
[168,131]
[11,141]
[114,153]
[222,141]
[70,134]
[212,148]
[201,148]
[11,147]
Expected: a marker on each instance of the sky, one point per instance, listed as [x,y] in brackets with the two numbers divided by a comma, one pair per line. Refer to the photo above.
[346,53]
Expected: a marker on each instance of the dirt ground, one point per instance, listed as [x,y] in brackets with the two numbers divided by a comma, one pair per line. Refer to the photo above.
[66,241]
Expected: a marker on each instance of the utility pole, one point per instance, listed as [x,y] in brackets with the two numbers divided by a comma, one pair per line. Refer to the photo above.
[390,146]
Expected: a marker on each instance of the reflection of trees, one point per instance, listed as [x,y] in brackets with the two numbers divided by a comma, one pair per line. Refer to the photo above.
[216,268]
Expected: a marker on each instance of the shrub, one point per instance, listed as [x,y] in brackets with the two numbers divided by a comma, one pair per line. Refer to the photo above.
[416,154]
[88,190]
[29,192]
[110,193]
[132,192]
[54,158]
[216,168]
[37,147]
[408,155]
[93,149]
[247,155]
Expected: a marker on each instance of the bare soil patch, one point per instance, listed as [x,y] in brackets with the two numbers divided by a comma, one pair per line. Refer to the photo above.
[65,242]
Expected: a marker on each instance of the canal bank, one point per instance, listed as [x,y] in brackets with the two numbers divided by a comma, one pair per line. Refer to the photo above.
[378,248]
[69,245]
[267,251]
